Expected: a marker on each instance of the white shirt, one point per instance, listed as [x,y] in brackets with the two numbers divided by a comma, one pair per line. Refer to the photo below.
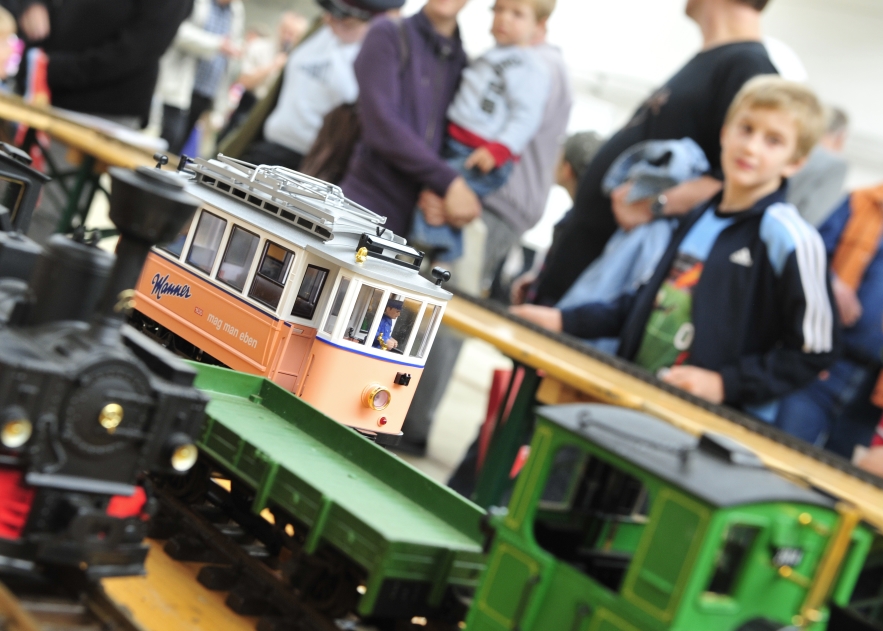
[318,77]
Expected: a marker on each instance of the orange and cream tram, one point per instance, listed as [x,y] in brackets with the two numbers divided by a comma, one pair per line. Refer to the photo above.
[278,274]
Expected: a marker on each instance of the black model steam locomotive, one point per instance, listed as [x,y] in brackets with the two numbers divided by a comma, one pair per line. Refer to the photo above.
[88,406]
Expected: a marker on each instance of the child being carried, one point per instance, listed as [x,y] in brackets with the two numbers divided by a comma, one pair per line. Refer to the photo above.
[495,114]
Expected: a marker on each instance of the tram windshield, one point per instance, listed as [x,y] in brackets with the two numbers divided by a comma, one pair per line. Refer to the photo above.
[363,314]
[336,305]
[424,332]
[385,321]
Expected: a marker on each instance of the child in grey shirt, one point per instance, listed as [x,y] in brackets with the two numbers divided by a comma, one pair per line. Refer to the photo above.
[498,109]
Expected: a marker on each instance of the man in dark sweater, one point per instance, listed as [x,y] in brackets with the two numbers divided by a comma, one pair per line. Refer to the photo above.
[691,104]
[408,73]
[103,54]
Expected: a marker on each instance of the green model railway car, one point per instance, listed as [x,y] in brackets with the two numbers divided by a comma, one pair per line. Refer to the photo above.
[621,522]
[408,544]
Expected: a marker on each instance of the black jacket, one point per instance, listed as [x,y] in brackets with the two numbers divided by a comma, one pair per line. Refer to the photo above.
[104,54]
[765,322]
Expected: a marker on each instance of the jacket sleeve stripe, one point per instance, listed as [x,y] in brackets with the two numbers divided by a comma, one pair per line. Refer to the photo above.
[809,250]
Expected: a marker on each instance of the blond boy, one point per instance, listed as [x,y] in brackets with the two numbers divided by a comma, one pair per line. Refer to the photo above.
[497,110]
[739,309]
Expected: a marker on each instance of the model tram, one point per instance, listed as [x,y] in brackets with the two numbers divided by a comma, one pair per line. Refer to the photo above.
[279,275]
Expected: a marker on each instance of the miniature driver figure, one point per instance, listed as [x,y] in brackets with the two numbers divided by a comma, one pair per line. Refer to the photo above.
[384,331]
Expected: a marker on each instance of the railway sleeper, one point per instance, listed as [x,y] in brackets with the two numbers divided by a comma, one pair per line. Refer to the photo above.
[256,588]
[246,600]
[185,547]
[219,578]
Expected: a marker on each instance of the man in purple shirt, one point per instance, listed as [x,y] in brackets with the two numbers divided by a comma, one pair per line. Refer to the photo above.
[408,73]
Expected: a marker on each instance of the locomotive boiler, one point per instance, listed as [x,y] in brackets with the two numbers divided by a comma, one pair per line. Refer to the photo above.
[88,406]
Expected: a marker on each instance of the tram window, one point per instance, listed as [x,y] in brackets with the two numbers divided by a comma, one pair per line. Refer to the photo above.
[238,257]
[336,305]
[310,292]
[363,314]
[564,478]
[591,515]
[176,245]
[404,324]
[424,331]
[206,242]
[269,280]
[731,558]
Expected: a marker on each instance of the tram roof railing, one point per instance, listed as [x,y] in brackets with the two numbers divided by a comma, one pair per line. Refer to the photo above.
[307,203]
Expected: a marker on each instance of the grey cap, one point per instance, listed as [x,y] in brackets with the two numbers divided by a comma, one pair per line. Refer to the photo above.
[580,150]
[361,9]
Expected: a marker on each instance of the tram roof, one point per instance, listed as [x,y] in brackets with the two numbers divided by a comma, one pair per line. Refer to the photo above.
[714,468]
[341,250]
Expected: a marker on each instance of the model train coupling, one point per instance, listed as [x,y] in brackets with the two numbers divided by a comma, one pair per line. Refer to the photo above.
[88,406]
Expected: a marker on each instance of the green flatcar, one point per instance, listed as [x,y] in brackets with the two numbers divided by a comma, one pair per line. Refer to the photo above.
[402,544]
[621,522]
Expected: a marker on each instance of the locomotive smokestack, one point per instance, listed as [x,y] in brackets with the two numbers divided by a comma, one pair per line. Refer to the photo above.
[148,206]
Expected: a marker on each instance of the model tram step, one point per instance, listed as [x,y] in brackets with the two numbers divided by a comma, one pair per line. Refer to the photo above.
[246,601]
[187,548]
[219,578]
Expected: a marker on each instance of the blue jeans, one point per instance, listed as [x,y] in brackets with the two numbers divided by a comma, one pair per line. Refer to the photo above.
[446,242]
[835,413]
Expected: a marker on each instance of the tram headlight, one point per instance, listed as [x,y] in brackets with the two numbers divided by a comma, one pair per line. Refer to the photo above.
[16,432]
[376,397]
[181,452]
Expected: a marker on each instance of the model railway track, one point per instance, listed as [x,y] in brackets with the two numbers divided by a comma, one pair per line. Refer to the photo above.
[608,379]
[242,555]
[212,530]
[30,609]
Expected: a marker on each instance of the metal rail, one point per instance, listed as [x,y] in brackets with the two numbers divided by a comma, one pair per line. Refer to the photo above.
[608,379]
[32,610]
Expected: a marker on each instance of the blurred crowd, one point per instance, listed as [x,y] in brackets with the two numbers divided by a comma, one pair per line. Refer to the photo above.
[710,240]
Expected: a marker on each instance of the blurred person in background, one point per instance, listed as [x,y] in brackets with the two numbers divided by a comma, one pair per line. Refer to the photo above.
[508,213]
[193,71]
[263,58]
[817,188]
[498,109]
[691,104]
[318,77]
[519,204]
[408,73]
[841,408]
[102,56]
[8,45]
[579,151]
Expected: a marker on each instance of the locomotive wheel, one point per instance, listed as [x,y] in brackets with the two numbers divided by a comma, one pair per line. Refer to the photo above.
[324,581]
